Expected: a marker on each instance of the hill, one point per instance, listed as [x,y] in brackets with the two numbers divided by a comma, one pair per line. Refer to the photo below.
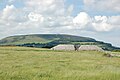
[50,40]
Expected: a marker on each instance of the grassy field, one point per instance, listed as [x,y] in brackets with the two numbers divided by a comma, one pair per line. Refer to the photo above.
[18,63]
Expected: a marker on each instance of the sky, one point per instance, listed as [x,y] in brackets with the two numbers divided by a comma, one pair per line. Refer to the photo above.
[98,19]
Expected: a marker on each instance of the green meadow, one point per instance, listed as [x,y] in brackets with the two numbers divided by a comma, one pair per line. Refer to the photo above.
[20,63]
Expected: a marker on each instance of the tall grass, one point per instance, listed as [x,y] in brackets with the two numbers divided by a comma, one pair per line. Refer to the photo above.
[18,63]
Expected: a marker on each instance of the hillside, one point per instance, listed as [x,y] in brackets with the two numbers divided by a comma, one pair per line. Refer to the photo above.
[50,40]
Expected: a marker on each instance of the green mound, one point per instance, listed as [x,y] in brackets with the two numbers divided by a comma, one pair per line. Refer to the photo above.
[50,40]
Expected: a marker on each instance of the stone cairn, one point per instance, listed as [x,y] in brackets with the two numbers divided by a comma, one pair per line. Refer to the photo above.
[76,46]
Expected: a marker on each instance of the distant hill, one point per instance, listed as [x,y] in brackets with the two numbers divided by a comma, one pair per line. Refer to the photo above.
[50,40]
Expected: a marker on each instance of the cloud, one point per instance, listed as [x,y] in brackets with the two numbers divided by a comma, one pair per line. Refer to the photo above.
[35,17]
[8,12]
[8,16]
[70,10]
[81,20]
[89,2]
[50,7]
[103,5]
[11,1]
[97,23]
[104,23]
[52,16]
[114,20]
[38,2]
[102,26]
[100,23]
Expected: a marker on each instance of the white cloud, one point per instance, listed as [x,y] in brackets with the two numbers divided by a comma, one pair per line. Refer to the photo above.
[97,23]
[8,12]
[102,26]
[8,16]
[52,16]
[101,19]
[70,10]
[10,1]
[50,7]
[14,20]
[103,5]
[35,17]
[81,20]
[100,23]
[89,2]
[114,20]
[104,23]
